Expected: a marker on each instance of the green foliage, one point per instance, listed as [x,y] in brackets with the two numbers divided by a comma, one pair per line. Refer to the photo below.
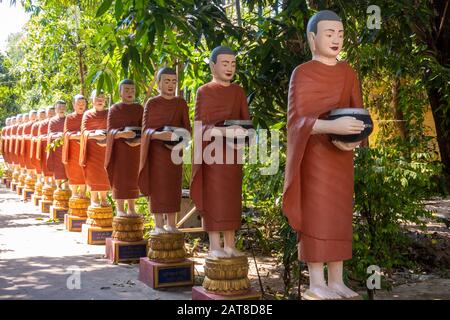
[390,190]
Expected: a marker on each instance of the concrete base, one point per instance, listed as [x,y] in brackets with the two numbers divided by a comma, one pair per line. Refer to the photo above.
[199,293]
[121,251]
[8,184]
[57,213]
[162,275]
[44,206]
[13,186]
[27,194]
[95,235]
[73,223]
[19,190]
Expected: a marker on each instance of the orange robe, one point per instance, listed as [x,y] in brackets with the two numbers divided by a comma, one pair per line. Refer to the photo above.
[159,177]
[26,146]
[318,189]
[41,146]
[34,133]
[71,149]
[12,144]
[2,141]
[216,189]
[5,142]
[54,157]
[18,146]
[92,155]
[122,160]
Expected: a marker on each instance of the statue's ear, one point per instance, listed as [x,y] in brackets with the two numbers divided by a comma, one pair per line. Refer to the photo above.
[311,38]
[211,66]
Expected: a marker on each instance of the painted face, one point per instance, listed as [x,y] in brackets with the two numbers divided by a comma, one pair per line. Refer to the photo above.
[60,109]
[51,113]
[25,118]
[225,67]
[127,93]
[80,106]
[329,38]
[33,116]
[168,84]
[41,116]
[99,101]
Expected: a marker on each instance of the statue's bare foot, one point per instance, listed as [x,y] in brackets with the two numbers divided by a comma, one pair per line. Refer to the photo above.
[233,252]
[342,290]
[121,214]
[171,229]
[95,204]
[157,231]
[218,253]
[320,293]
[133,215]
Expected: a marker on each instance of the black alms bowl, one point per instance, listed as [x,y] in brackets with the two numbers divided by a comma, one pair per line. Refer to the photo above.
[171,129]
[136,130]
[359,114]
[246,124]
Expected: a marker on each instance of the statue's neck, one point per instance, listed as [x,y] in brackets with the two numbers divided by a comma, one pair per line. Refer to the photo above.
[331,61]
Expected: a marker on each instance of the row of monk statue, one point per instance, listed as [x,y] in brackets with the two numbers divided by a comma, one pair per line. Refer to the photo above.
[127,150]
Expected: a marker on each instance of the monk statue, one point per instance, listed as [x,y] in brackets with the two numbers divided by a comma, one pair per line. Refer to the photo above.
[93,148]
[41,146]
[12,148]
[26,145]
[318,189]
[160,178]
[216,186]
[5,141]
[55,135]
[20,145]
[41,116]
[123,149]
[71,147]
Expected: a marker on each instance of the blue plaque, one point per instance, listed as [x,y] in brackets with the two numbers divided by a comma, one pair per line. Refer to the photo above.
[174,274]
[60,213]
[28,194]
[100,235]
[130,251]
[76,224]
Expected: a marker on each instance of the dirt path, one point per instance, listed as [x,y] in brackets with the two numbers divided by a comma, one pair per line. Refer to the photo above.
[38,259]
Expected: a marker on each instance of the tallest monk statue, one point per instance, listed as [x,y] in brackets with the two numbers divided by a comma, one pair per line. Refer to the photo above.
[318,189]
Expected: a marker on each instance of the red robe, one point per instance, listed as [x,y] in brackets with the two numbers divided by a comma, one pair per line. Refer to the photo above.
[71,149]
[92,155]
[54,157]
[5,144]
[318,189]
[41,146]
[26,146]
[216,189]
[122,160]
[159,177]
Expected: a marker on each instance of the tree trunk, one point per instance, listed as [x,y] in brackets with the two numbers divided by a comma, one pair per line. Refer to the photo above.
[397,111]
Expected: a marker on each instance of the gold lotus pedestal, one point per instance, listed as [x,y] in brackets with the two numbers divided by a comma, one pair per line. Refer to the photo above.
[166,264]
[37,195]
[77,214]
[47,198]
[28,191]
[225,279]
[127,242]
[98,225]
[60,205]
[21,184]
[15,180]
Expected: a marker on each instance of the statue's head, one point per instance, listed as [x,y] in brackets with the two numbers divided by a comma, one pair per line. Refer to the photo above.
[127,90]
[50,111]
[8,121]
[25,117]
[12,120]
[60,108]
[98,99]
[325,33]
[41,114]
[79,103]
[19,118]
[223,63]
[167,82]
[32,115]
